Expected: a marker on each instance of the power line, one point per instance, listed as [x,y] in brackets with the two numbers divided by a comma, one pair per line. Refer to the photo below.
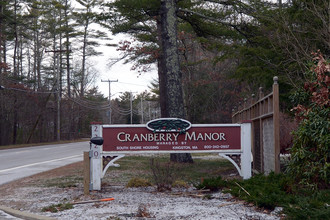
[132,84]
[109,81]
[90,102]
[95,105]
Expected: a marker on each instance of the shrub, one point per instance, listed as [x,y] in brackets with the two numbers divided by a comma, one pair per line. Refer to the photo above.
[310,155]
[313,205]
[264,191]
[138,182]
[164,174]
[213,184]
[279,190]
[180,184]
[57,207]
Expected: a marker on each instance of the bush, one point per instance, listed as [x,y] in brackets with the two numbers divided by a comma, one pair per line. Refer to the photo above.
[180,184]
[310,155]
[310,206]
[138,182]
[264,191]
[164,174]
[213,184]
[277,190]
[57,207]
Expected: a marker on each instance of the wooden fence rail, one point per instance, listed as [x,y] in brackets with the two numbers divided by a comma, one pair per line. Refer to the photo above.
[264,114]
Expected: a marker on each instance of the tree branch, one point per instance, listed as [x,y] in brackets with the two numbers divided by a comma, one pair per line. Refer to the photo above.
[236,27]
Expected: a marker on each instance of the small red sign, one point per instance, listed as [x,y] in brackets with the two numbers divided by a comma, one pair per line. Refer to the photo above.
[197,138]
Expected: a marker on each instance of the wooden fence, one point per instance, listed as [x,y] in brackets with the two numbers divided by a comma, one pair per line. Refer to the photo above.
[264,114]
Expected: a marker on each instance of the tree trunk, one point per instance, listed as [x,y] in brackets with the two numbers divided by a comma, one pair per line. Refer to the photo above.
[161,75]
[1,82]
[67,33]
[15,122]
[170,82]
[83,72]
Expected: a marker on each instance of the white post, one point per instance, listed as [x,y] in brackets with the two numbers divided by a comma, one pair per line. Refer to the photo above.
[246,140]
[96,159]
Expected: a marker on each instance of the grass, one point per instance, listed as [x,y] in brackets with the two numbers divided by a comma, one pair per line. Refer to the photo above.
[139,166]
[63,182]
[136,167]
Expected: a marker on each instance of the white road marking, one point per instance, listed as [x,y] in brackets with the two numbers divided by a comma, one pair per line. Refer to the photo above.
[32,164]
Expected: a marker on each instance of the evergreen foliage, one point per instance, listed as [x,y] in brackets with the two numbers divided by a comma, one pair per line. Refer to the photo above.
[310,154]
[213,184]
[276,190]
[220,42]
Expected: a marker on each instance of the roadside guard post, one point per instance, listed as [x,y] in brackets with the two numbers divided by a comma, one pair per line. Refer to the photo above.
[170,135]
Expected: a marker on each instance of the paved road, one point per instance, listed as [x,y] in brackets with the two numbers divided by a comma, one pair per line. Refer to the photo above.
[23,162]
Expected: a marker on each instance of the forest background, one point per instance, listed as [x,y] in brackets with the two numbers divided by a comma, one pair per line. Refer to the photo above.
[227,50]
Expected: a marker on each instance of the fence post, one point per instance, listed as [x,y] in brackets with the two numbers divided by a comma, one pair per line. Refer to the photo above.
[276,121]
[261,93]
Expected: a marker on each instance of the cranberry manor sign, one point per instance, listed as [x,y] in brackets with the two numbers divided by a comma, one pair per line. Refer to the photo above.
[168,135]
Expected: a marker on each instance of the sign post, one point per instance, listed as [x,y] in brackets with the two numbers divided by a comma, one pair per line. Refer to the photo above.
[95,154]
[246,156]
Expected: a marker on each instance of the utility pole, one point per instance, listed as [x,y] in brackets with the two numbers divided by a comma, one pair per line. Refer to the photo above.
[131,104]
[149,111]
[109,81]
[58,91]
[142,110]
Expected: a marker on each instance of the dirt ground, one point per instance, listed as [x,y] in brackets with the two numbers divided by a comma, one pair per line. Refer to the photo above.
[34,193]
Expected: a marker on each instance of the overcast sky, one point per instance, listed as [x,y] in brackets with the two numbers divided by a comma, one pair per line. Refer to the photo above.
[128,80]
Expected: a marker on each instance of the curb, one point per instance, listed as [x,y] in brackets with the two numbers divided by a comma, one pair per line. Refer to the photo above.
[24,215]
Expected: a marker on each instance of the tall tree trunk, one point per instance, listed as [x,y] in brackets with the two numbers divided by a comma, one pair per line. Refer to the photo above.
[21,56]
[171,63]
[1,44]
[2,71]
[37,55]
[82,86]
[161,75]
[68,77]
[16,39]
[15,121]
[36,84]
[172,79]
[55,85]
[1,67]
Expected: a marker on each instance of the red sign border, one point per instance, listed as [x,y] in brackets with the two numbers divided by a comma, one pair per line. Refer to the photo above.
[234,151]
